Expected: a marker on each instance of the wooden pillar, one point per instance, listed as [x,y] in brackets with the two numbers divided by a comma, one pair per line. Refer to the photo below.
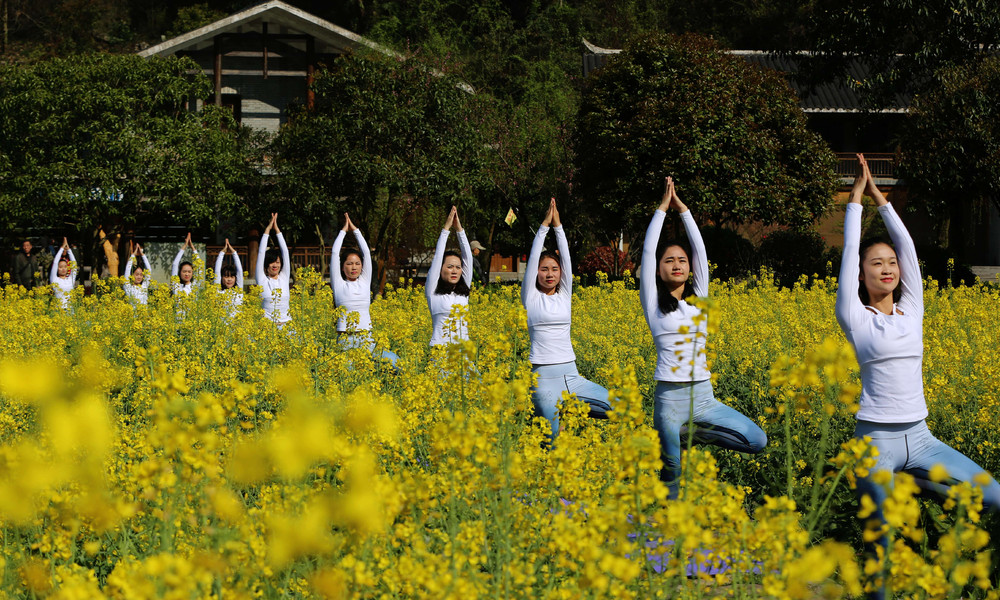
[264,41]
[310,61]
[217,73]
[252,249]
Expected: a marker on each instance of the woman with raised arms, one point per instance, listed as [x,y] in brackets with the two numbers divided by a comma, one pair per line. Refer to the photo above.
[448,281]
[229,278]
[273,273]
[183,271]
[137,277]
[683,382]
[352,289]
[547,296]
[63,274]
[882,318]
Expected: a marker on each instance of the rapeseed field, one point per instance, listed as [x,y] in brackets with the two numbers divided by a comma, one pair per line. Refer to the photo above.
[172,451]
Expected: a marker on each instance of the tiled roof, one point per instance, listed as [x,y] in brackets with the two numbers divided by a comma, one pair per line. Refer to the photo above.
[330,38]
[829,96]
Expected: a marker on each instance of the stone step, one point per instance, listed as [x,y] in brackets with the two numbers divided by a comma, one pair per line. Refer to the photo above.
[986,273]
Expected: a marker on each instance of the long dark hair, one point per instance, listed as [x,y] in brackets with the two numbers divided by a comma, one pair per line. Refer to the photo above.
[554,256]
[459,287]
[227,270]
[866,245]
[667,302]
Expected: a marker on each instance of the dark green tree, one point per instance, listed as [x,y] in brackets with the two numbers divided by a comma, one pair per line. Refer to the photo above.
[901,44]
[386,137]
[105,138]
[192,17]
[951,147]
[731,134]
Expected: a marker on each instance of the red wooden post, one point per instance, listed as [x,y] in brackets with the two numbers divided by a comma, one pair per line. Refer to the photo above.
[310,58]
[252,248]
[217,73]
[264,39]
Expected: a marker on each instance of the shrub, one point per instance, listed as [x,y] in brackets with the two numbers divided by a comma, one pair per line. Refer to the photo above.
[731,254]
[792,254]
[607,260]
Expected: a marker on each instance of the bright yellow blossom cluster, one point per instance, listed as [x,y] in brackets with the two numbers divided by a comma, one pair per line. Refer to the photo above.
[171,450]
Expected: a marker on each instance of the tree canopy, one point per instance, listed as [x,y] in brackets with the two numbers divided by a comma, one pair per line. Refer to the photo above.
[902,44]
[381,127]
[951,143]
[101,135]
[732,135]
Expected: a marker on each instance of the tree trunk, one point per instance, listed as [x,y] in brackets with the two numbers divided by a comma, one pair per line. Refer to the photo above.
[252,249]
[489,252]
[322,255]
[3,40]
[382,246]
[943,227]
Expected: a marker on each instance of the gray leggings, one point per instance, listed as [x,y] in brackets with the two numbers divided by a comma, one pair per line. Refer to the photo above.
[715,423]
[910,447]
[553,380]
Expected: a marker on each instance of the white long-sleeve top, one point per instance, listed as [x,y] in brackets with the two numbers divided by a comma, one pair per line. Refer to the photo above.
[440,304]
[889,348]
[675,350]
[275,293]
[139,293]
[234,295]
[63,286]
[354,296]
[181,288]
[549,316]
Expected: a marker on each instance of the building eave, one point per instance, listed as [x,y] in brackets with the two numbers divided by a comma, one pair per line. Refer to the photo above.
[276,12]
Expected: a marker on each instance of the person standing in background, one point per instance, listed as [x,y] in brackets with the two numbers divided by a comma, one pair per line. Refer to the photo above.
[477,267]
[25,268]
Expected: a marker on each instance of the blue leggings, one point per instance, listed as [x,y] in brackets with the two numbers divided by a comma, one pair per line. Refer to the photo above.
[715,424]
[349,341]
[552,381]
[912,448]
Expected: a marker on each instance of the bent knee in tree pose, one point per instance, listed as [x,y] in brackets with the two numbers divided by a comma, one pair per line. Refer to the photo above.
[547,296]
[352,290]
[448,281]
[273,273]
[683,382]
[882,319]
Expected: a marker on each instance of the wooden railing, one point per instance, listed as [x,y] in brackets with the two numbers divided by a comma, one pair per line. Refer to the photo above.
[302,256]
[882,165]
[314,256]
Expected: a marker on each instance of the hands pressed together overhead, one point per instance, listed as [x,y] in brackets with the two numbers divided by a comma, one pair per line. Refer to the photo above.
[453,220]
[348,224]
[274,224]
[864,185]
[552,216]
[670,198]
